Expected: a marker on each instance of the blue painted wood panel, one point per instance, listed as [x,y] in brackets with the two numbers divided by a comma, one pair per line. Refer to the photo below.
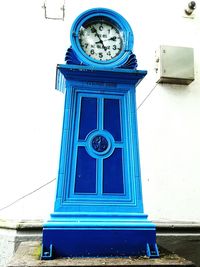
[99,194]
[88,116]
[99,131]
[98,162]
[112,117]
[85,180]
[113,180]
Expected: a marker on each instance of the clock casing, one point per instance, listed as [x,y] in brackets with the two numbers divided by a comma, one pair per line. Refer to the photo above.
[98,209]
[102,37]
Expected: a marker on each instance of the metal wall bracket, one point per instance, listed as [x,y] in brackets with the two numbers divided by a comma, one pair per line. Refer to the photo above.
[54,18]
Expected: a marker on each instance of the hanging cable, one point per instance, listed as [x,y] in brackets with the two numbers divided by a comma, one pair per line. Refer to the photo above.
[42,186]
[139,106]
[30,193]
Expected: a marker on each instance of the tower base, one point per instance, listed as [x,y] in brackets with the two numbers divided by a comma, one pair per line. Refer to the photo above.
[99,238]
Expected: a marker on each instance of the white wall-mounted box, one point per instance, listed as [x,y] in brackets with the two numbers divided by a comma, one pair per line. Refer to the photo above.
[175,64]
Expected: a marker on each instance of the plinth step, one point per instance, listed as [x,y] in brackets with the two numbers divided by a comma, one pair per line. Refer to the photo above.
[28,255]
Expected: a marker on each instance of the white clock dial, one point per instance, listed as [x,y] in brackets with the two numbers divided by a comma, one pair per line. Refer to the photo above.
[101,40]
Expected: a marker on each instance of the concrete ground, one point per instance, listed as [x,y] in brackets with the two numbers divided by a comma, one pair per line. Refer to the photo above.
[28,255]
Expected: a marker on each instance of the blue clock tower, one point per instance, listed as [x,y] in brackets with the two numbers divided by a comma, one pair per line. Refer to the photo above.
[98,206]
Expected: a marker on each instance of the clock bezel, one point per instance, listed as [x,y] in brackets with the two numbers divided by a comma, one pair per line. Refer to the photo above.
[110,16]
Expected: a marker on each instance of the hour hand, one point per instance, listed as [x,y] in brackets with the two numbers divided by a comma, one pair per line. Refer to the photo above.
[105,40]
[99,42]
[113,38]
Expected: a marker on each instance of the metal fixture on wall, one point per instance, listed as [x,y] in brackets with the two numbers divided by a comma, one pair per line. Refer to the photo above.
[174,65]
[190,8]
[62,9]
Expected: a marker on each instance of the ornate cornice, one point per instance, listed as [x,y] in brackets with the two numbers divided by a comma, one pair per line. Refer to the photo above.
[72,59]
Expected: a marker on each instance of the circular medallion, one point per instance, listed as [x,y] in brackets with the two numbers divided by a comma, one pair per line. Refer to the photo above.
[100,144]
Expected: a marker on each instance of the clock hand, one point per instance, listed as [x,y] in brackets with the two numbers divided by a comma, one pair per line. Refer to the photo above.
[100,41]
[112,39]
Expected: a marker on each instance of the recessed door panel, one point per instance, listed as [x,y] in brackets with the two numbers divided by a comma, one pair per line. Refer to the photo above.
[113,180]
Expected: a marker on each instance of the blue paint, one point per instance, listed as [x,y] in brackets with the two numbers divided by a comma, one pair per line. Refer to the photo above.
[104,148]
[126,53]
[88,242]
[88,116]
[98,206]
[112,113]
[113,180]
[111,211]
[100,143]
[131,62]
[85,180]
[71,58]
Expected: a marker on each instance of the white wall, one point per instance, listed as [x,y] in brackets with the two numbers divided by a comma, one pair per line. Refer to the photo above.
[31,110]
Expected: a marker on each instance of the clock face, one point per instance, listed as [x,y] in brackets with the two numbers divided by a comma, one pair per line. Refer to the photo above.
[101,39]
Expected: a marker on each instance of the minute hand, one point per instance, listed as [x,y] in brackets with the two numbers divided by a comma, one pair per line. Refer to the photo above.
[100,41]
[105,40]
